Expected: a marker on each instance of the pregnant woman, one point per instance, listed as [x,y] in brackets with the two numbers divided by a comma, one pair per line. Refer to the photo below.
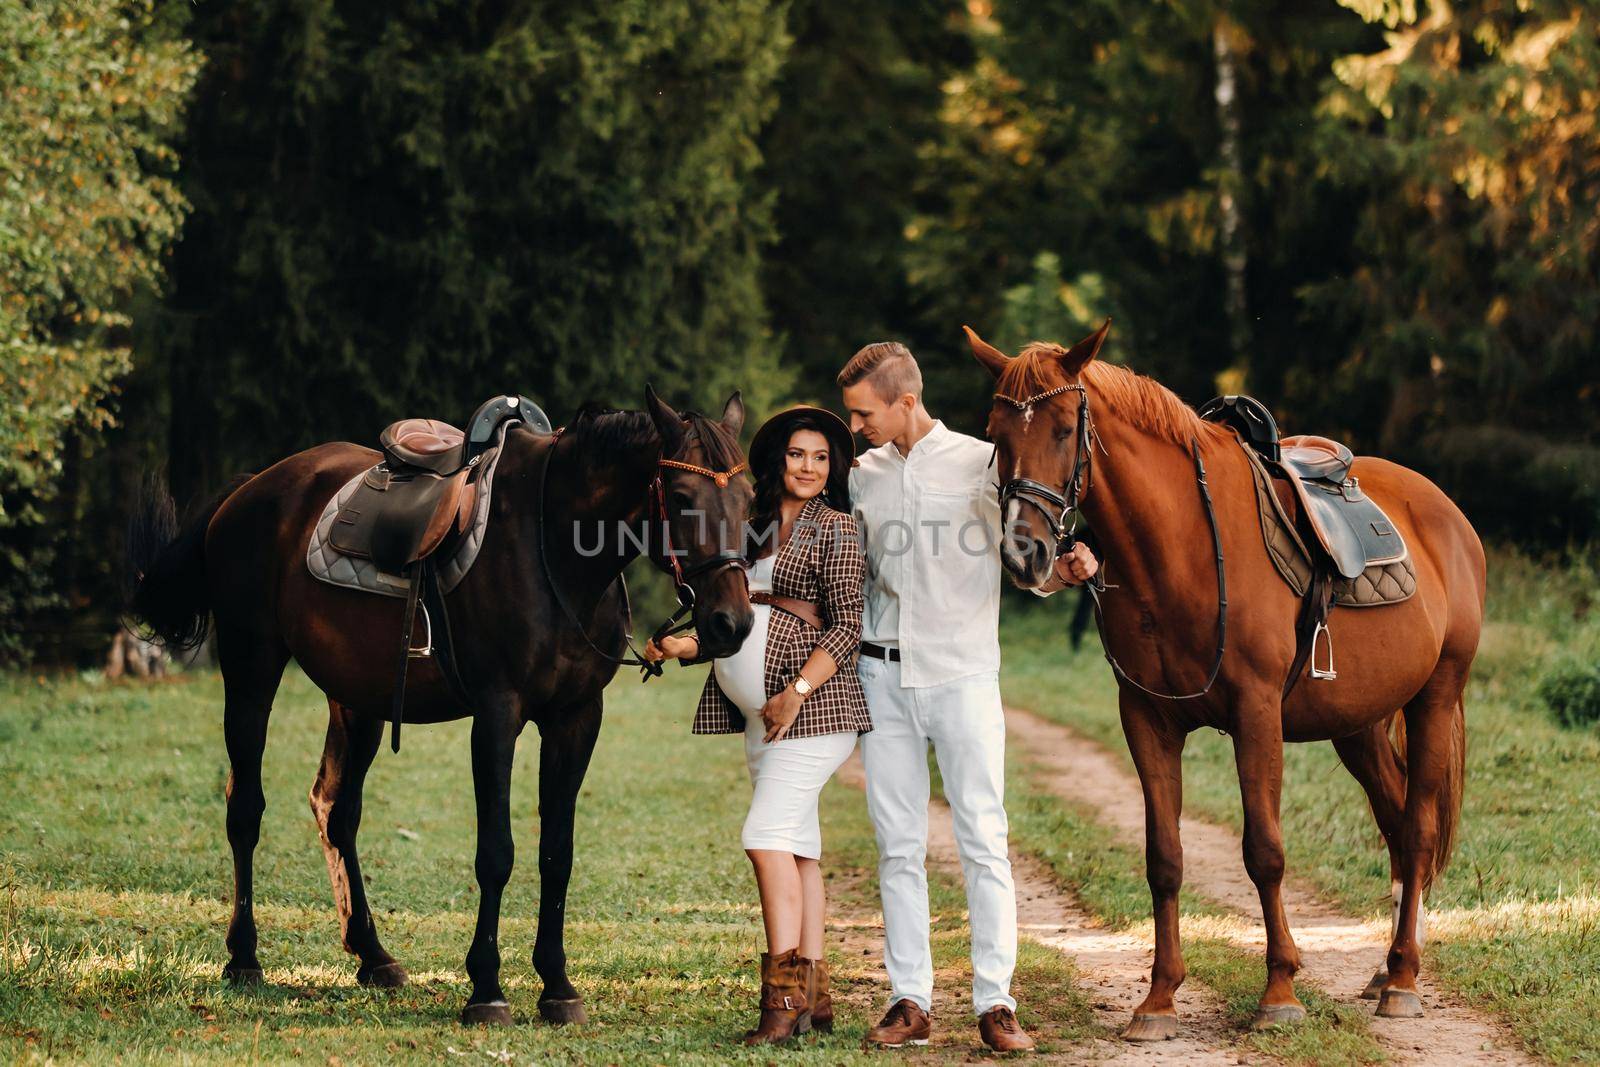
[793,691]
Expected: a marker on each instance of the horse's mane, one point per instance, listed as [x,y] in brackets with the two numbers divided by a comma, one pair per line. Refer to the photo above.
[611,429]
[1144,402]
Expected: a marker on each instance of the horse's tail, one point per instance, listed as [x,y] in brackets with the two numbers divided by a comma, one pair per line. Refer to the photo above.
[166,566]
[1455,776]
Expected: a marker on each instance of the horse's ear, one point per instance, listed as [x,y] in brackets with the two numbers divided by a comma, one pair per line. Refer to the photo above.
[991,357]
[1078,356]
[669,424]
[733,414]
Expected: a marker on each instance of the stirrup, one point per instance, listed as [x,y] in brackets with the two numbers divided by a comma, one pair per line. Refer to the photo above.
[1322,673]
[426,650]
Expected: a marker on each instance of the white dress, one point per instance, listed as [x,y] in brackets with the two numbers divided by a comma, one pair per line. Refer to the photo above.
[788,775]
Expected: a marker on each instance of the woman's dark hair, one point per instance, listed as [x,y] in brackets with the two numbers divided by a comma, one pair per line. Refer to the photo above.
[769,487]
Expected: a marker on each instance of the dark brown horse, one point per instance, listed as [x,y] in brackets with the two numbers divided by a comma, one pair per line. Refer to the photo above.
[242,559]
[1139,492]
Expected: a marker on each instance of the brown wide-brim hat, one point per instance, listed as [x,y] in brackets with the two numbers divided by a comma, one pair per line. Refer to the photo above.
[775,433]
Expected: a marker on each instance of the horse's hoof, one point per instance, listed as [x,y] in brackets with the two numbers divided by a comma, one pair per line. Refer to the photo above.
[384,976]
[563,1012]
[494,1013]
[1151,1028]
[1270,1015]
[243,977]
[1375,986]
[1399,1004]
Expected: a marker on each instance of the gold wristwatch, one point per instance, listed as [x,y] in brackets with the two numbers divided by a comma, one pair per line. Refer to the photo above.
[802,686]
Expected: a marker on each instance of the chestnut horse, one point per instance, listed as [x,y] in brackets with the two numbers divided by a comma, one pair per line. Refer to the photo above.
[522,659]
[1135,451]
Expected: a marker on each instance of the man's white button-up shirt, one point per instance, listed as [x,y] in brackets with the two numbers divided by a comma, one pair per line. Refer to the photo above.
[931,523]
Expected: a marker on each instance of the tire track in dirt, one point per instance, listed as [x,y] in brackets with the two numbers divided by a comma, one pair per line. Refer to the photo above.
[1111,965]
[1338,952]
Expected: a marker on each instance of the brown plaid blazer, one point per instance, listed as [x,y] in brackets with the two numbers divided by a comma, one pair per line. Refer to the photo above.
[822,562]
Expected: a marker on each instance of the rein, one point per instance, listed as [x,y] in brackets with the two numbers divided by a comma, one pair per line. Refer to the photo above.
[680,576]
[1068,504]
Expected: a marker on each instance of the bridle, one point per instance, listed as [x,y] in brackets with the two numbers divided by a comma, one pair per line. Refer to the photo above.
[1068,505]
[681,576]
[1028,491]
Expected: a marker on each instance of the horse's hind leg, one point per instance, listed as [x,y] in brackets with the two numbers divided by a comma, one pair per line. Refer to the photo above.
[252,667]
[1373,761]
[1258,754]
[1435,750]
[336,802]
[564,751]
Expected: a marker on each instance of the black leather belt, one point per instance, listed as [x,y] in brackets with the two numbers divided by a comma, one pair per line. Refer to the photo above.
[879,651]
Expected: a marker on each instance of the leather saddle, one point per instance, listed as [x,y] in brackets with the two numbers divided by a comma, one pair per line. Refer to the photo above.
[1348,526]
[405,510]
[410,504]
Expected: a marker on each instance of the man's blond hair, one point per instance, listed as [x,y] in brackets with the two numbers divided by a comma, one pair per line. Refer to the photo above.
[889,366]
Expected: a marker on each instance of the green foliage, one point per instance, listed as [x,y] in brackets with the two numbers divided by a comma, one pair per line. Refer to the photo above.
[1047,308]
[94,91]
[1471,143]
[1572,693]
[859,99]
[404,208]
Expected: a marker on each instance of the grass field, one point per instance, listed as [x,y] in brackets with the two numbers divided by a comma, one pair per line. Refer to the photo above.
[115,877]
[1515,922]
[115,890]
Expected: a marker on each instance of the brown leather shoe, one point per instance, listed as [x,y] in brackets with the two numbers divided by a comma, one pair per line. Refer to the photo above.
[819,1015]
[783,998]
[903,1024]
[1000,1030]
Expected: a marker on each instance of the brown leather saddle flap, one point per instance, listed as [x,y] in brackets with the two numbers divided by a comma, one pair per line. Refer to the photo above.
[395,520]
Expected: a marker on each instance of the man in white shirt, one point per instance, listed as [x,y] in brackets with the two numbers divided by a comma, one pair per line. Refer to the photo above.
[925,499]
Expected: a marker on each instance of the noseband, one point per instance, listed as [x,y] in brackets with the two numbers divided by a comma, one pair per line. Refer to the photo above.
[1067,504]
[681,576]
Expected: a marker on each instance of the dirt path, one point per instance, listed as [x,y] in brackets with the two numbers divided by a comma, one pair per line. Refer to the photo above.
[1113,965]
[1338,952]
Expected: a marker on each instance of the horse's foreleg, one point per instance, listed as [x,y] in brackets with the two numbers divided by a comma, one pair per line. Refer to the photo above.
[1258,754]
[564,751]
[494,741]
[1373,762]
[351,744]
[251,670]
[1157,749]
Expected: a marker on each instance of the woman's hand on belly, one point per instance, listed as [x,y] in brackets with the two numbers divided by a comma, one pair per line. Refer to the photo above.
[780,712]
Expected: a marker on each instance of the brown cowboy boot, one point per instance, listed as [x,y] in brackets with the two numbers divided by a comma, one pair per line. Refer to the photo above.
[1000,1030]
[819,1015]
[783,998]
[903,1024]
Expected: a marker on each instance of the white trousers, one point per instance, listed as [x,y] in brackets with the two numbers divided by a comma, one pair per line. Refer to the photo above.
[966,725]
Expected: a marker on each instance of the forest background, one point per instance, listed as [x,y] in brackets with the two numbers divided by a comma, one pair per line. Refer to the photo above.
[229,231]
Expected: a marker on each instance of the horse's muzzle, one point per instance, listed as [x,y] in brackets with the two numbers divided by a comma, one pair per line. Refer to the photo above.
[1028,563]
[724,631]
